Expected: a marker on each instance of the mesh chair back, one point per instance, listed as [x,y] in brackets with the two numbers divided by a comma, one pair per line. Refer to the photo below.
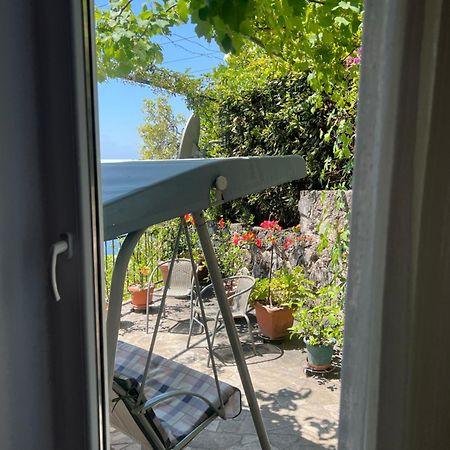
[239,302]
[182,275]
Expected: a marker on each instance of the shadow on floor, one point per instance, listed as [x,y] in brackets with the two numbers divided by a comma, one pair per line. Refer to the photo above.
[283,429]
[182,327]
[328,379]
[294,419]
[264,353]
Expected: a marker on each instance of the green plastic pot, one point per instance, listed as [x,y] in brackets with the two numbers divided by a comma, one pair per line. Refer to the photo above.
[319,356]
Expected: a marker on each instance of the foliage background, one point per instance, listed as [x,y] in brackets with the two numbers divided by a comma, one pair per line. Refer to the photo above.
[278,118]
[161,129]
[288,86]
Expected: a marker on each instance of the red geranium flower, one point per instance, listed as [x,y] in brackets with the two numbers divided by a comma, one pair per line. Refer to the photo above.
[249,236]
[287,242]
[188,218]
[221,223]
[271,225]
[236,239]
[258,243]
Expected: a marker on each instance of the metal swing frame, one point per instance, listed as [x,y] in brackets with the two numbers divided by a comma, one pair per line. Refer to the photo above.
[182,228]
[128,185]
[117,283]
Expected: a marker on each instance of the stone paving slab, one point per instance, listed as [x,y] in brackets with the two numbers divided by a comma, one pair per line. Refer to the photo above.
[299,411]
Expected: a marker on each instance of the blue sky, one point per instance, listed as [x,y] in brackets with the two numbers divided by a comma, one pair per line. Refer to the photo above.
[120,104]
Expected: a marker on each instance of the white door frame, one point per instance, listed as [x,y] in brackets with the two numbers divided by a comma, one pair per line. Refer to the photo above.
[395,391]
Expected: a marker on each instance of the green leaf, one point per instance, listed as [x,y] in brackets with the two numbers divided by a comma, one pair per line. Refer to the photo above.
[344,5]
[183,10]
[227,44]
[298,6]
[341,21]
[203,13]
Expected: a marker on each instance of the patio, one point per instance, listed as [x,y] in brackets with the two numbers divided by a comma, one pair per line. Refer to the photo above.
[299,411]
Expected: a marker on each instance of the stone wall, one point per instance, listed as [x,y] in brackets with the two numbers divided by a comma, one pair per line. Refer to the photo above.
[258,258]
[321,211]
[282,257]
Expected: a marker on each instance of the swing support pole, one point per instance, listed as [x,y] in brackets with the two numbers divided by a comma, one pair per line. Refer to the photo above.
[230,327]
[116,296]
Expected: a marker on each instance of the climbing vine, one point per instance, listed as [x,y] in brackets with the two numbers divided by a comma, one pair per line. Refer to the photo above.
[289,84]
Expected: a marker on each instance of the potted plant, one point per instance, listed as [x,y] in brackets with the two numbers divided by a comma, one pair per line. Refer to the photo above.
[141,291]
[275,299]
[139,295]
[320,321]
[164,271]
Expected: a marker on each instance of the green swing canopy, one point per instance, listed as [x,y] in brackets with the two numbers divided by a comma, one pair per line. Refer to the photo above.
[137,194]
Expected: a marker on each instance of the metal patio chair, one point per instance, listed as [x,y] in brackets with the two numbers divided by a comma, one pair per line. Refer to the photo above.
[238,289]
[179,284]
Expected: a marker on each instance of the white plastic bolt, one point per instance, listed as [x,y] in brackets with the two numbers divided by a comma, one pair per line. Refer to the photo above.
[221,183]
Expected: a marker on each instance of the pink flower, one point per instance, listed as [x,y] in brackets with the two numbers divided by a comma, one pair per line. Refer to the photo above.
[236,239]
[258,243]
[350,60]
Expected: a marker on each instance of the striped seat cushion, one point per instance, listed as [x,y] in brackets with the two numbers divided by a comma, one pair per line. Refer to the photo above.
[179,416]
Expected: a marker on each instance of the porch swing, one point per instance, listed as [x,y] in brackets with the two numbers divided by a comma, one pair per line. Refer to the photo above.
[160,403]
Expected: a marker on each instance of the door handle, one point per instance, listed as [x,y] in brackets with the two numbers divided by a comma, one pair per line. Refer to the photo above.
[59,248]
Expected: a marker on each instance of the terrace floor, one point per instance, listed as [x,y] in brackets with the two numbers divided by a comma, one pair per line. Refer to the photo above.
[299,411]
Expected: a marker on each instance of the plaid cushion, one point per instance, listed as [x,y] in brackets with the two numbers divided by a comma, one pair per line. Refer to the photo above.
[129,387]
[178,416]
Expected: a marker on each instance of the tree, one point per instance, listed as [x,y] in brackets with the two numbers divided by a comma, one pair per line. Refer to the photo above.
[314,36]
[320,38]
[277,117]
[125,48]
[124,38]
[270,45]
[161,129]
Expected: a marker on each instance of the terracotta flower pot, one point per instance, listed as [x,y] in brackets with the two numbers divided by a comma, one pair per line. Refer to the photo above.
[273,322]
[164,269]
[139,296]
